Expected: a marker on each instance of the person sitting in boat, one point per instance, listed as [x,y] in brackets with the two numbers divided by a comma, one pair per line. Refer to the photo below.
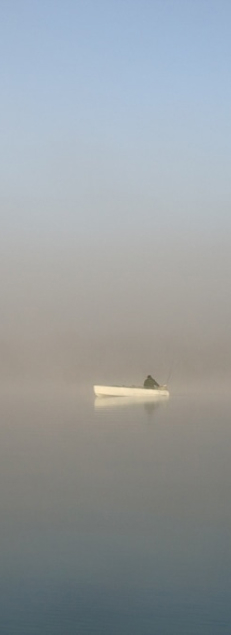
[150,382]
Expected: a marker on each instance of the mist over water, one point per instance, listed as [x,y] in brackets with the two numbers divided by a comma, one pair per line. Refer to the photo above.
[115,193]
[115,263]
[116,311]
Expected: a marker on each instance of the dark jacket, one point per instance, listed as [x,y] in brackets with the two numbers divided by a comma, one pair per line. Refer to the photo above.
[150,382]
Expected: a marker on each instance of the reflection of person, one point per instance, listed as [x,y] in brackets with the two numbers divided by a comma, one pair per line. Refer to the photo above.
[151,407]
[150,382]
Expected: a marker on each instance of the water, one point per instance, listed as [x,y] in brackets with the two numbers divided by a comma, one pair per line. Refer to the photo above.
[114,520]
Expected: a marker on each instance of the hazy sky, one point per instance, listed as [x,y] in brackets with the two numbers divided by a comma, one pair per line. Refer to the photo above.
[115,188]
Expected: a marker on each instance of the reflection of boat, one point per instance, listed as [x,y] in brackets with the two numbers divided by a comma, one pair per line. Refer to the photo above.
[114,402]
[136,392]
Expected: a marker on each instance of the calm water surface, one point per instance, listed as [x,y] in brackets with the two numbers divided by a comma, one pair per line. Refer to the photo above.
[114,520]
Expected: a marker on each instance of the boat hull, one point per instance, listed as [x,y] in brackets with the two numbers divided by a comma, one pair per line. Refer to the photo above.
[131,391]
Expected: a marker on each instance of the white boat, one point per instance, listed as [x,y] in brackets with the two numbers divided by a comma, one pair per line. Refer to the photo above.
[131,391]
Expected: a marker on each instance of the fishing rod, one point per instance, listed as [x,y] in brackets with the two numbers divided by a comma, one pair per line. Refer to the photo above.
[171,369]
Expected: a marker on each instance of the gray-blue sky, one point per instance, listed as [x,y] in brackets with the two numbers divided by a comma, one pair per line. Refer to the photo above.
[115,179]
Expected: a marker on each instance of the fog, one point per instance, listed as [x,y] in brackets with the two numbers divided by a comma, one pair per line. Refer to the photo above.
[115,193]
[116,309]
